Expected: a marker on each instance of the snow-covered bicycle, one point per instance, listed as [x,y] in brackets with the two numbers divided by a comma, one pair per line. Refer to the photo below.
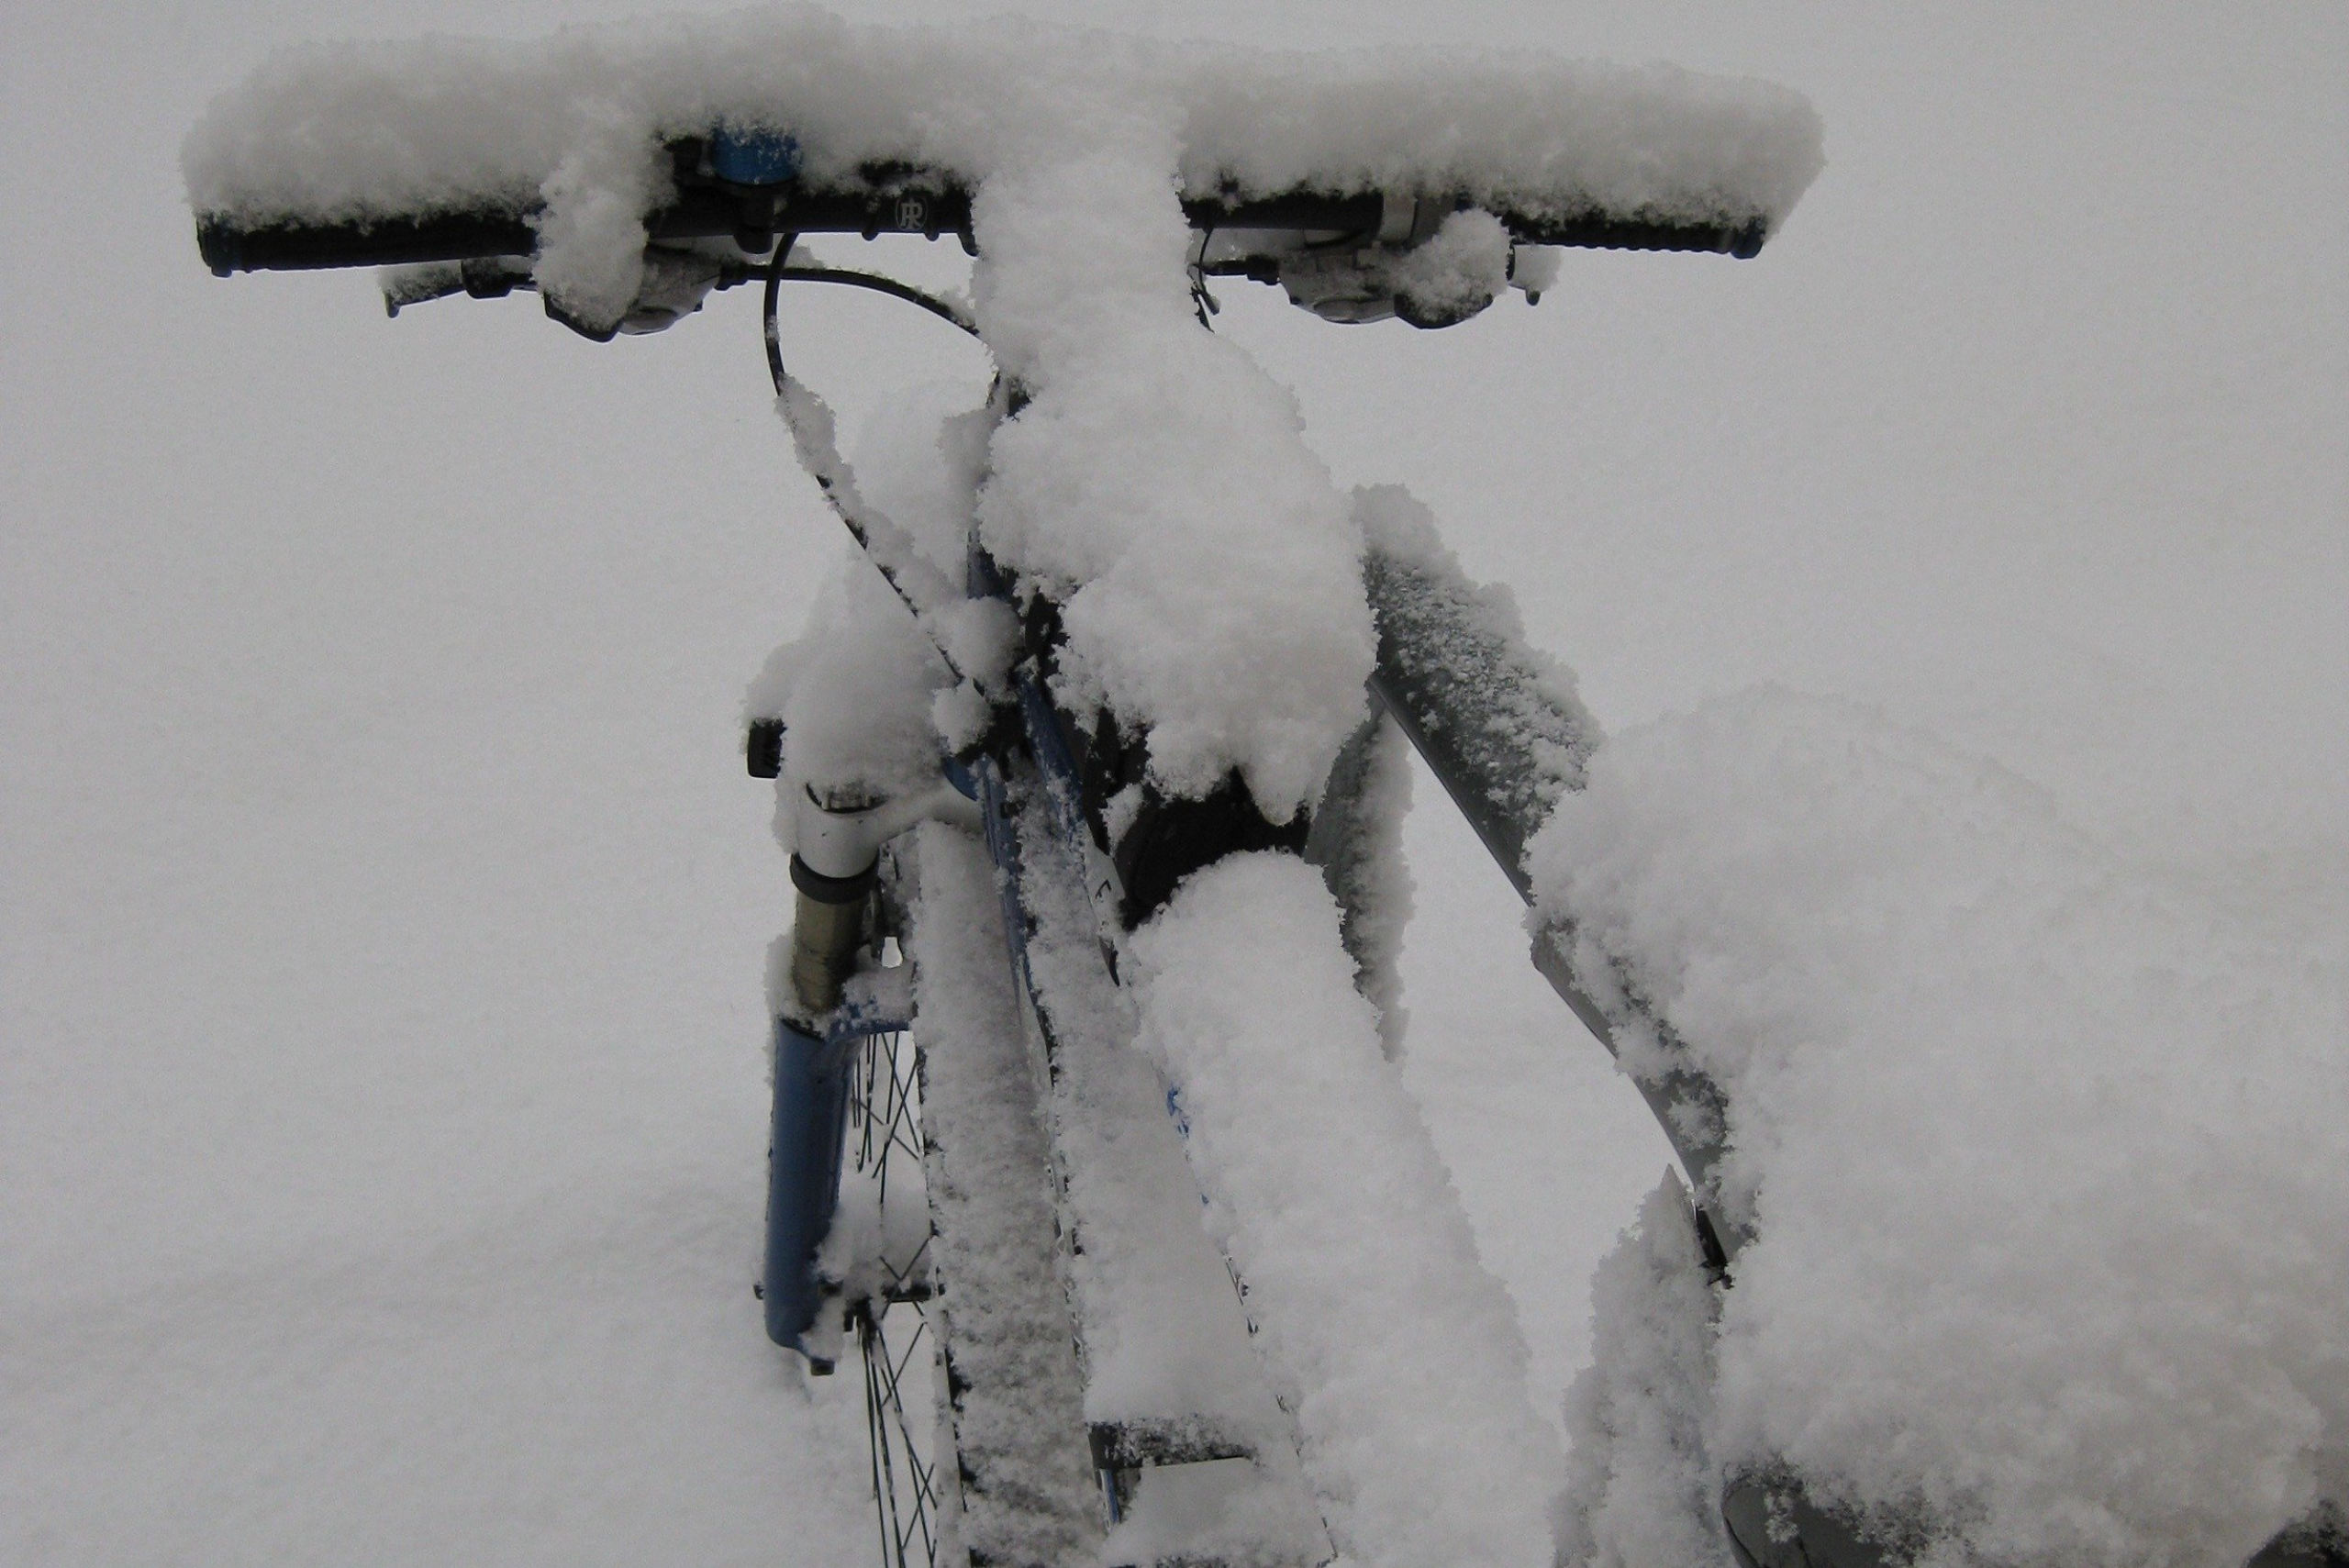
[1084,1131]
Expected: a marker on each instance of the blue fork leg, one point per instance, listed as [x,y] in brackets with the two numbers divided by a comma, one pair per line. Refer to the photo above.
[802,1175]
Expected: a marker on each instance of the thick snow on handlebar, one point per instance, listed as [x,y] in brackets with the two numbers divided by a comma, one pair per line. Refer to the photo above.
[579,152]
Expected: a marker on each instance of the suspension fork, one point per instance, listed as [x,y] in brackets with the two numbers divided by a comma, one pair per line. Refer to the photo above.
[833,873]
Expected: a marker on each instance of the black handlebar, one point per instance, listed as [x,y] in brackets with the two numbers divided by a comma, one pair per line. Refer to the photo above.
[886,201]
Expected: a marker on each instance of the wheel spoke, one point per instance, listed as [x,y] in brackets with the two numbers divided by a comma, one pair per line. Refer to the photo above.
[883,1111]
[905,1508]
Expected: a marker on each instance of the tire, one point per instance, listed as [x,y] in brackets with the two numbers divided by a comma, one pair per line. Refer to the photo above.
[1012,1480]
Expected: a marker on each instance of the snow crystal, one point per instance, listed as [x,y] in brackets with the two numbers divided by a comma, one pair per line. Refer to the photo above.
[2050,1160]
[1327,1194]
[926,589]
[591,233]
[1499,720]
[1460,270]
[919,463]
[1161,1338]
[1164,1342]
[1526,131]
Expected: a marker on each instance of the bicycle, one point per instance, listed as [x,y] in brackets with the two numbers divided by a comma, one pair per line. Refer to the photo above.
[952,1045]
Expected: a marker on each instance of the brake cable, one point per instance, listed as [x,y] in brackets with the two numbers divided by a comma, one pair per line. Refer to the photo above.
[923,588]
[777,272]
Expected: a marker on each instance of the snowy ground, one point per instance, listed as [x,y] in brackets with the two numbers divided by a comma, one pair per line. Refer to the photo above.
[380,1095]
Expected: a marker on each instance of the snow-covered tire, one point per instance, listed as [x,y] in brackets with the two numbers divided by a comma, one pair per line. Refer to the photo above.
[1015,1477]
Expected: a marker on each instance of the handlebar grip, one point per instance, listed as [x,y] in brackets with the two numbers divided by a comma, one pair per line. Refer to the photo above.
[1600,231]
[229,247]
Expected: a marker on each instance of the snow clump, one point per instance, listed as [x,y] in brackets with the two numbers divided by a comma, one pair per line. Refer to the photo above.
[1405,1365]
[1459,271]
[2049,1160]
[1641,1488]
[1158,485]
[853,692]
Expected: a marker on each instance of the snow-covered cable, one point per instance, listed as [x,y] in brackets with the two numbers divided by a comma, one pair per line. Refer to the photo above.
[922,587]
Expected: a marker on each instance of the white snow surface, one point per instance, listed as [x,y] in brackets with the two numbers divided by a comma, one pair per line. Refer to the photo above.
[383,900]
[1163,1339]
[853,691]
[350,131]
[1509,700]
[1461,268]
[1163,1336]
[2049,1155]
[1642,1491]
[1018,1429]
[1400,1354]
[1158,484]
[514,1386]
[1357,842]
[1381,916]
[864,695]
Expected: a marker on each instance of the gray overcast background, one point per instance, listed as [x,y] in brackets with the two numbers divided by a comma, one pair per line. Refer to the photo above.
[381,1101]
